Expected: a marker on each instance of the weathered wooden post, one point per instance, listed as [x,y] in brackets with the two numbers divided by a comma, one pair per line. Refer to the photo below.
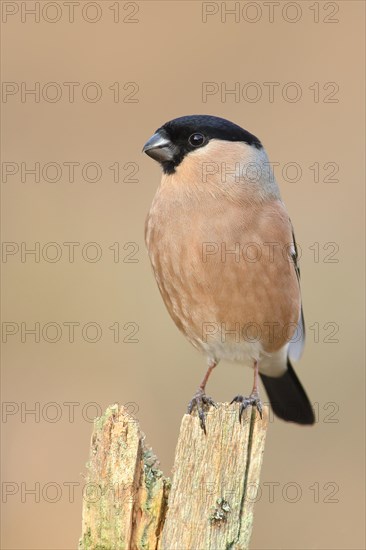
[129,504]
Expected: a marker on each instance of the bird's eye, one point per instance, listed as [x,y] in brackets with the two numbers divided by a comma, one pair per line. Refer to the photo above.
[196,140]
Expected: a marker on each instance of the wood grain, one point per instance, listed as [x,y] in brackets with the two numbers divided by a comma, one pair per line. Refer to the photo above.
[215,480]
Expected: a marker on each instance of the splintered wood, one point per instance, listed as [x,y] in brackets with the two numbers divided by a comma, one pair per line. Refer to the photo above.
[129,504]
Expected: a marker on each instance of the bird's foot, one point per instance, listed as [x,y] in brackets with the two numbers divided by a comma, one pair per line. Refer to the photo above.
[201,402]
[253,400]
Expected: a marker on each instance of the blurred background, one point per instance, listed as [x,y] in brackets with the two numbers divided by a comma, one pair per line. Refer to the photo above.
[85,84]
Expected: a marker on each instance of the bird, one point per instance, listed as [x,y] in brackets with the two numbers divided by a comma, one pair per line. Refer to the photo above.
[224,255]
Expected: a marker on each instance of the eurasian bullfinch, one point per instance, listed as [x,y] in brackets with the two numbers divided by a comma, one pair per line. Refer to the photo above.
[223,251]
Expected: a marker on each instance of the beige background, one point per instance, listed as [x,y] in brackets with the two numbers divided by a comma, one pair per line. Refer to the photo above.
[169,52]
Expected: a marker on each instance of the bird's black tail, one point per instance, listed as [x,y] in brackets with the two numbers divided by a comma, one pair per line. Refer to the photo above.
[288,398]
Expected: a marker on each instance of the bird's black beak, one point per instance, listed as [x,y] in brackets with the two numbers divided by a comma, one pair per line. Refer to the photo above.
[159,147]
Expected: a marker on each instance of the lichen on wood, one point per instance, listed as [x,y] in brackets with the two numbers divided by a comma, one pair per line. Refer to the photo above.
[125,492]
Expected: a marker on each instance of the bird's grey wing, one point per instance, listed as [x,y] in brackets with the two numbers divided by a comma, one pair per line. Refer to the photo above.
[297,344]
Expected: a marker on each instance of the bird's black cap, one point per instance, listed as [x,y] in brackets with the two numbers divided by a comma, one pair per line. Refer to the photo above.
[212,127]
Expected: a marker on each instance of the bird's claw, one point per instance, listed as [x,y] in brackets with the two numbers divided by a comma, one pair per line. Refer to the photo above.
[201,402]
[253,400]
